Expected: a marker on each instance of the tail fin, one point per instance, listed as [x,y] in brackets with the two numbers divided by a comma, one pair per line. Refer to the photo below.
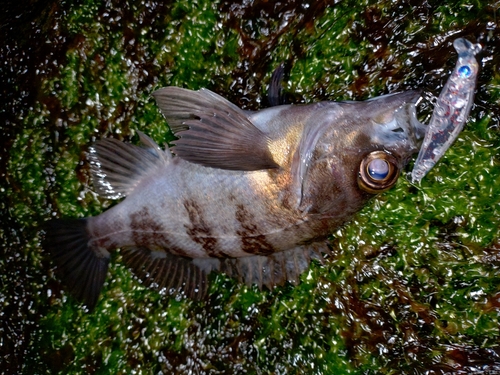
[82,269]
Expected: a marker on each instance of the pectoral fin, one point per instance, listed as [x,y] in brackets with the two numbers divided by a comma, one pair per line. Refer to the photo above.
[213,132]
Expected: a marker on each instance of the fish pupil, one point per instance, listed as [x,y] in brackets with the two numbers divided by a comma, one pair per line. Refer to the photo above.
[378,169]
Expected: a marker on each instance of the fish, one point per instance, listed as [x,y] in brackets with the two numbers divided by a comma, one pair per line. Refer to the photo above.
[451,110]
[252,194]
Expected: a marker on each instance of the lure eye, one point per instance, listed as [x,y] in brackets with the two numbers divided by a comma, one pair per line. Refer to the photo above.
[378,172]
[464,71]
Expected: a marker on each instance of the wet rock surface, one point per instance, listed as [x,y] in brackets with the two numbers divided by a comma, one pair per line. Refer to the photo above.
[412,284]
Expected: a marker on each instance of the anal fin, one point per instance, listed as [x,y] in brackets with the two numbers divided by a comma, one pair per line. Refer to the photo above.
[275,269]
[179,275]
[164,271]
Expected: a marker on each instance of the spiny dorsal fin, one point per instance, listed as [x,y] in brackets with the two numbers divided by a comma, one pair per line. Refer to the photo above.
[164,271]
[117,167]
[213,132]
[275,95]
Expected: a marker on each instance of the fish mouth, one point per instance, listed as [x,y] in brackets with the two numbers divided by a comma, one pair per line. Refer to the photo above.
[401,132]
[406,118]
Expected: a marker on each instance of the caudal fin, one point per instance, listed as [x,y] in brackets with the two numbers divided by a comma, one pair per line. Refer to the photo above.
[81,269]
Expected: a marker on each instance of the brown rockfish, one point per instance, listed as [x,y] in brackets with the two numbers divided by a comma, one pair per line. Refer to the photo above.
[251,194]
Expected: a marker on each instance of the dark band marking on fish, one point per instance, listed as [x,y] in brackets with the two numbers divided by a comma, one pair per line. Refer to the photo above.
[104,242]
[199,230]
[149,233]
[251,241]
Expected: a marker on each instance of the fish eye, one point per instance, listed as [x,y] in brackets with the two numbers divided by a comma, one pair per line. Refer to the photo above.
[378,172]
[378,169]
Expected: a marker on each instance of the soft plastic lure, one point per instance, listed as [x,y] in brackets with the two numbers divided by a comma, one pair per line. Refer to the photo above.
[451,110]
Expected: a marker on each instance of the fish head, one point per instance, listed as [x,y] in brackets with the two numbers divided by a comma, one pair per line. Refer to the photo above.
[355,150]
[394,120]
[389,137]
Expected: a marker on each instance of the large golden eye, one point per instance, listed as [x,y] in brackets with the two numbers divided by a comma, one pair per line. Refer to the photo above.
[378,172]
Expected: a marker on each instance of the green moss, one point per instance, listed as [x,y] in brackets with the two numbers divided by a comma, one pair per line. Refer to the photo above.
[413,272]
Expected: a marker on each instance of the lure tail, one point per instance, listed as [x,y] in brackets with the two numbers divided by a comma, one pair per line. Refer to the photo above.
[81,268]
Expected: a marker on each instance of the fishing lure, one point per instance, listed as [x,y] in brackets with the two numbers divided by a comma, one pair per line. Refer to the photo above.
[451,110]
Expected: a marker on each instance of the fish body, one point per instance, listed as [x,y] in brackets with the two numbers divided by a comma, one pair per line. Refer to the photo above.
[251,194]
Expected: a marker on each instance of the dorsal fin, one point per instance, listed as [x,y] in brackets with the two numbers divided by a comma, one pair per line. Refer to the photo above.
[117,167]
[213,132]
[275,95]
